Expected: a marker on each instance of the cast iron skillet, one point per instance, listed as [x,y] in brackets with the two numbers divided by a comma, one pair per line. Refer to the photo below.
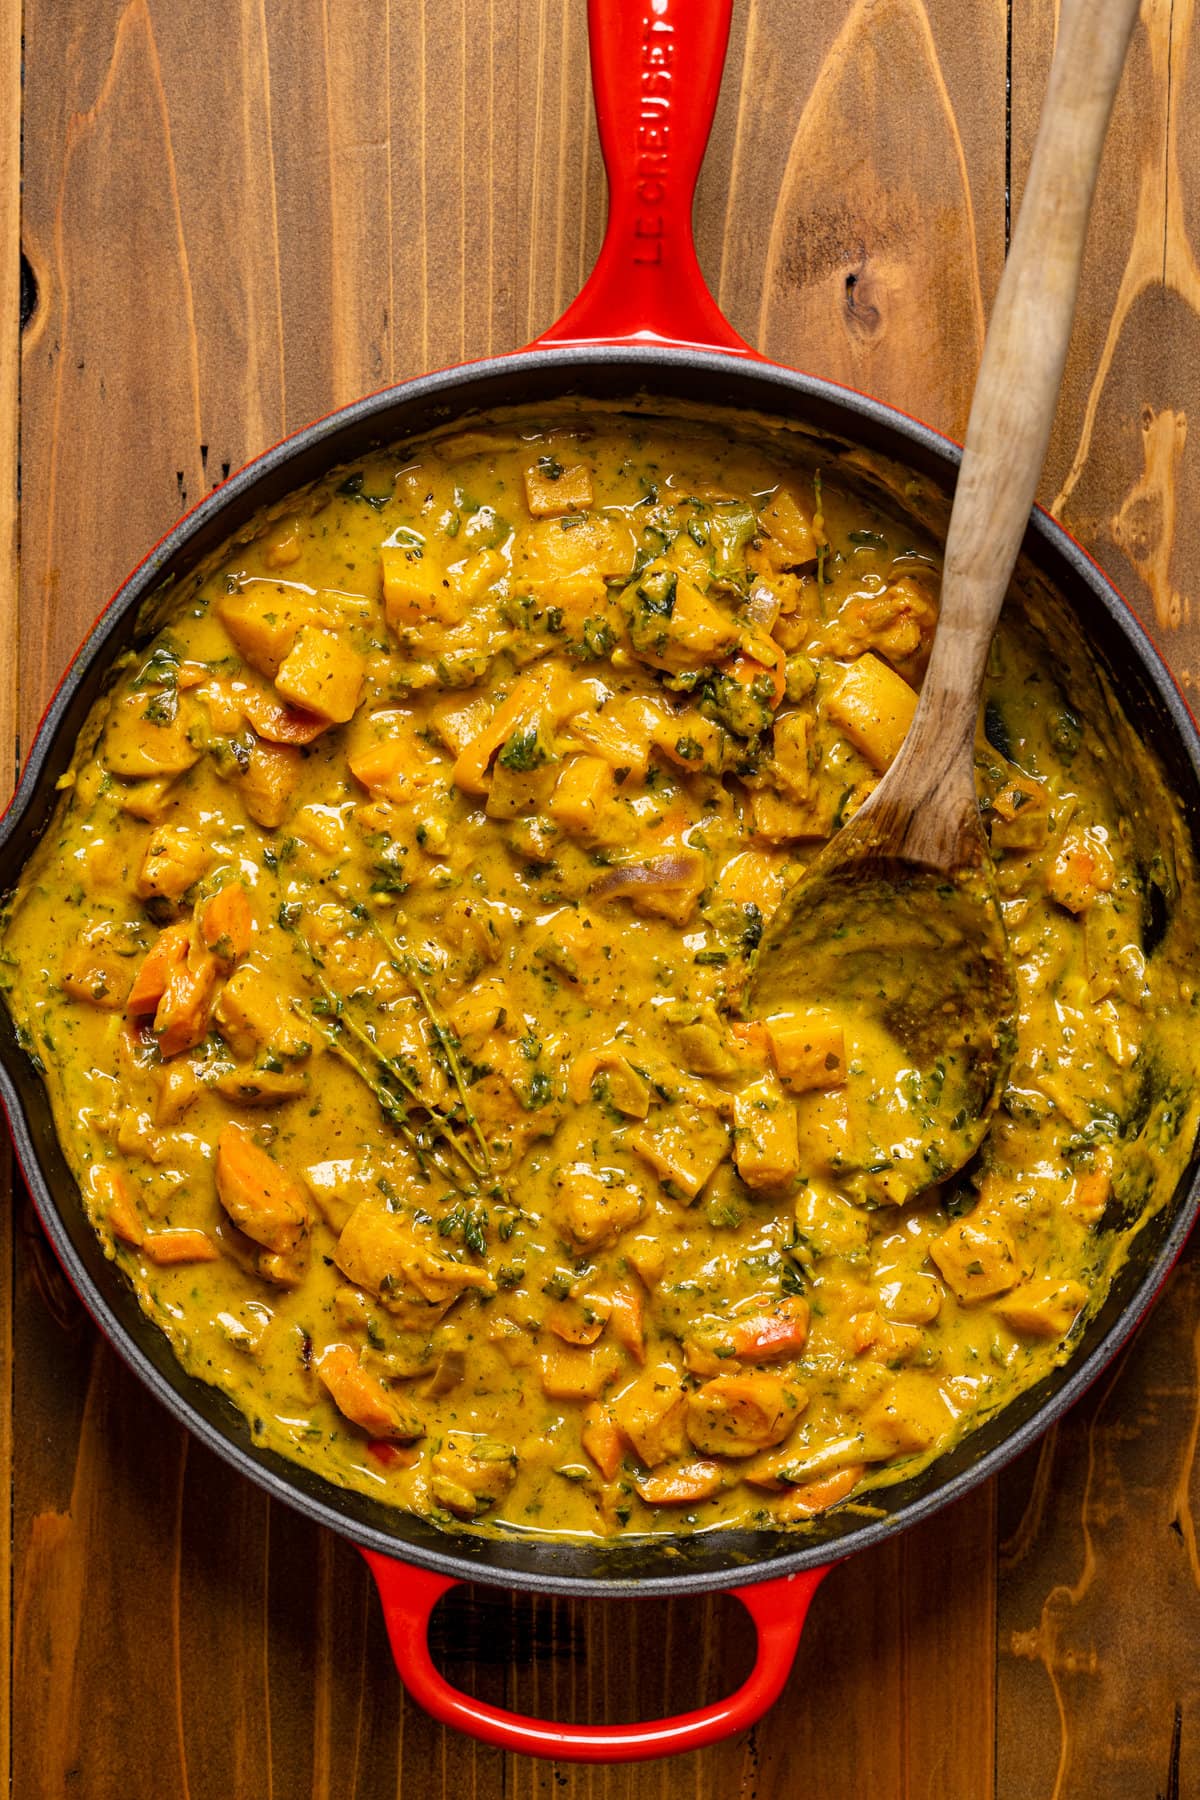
[644,324]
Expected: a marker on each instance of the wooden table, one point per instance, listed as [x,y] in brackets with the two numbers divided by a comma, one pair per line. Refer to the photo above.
[238,214]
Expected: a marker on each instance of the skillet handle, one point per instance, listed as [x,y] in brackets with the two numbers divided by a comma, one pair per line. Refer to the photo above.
[778,1609]
[656,73]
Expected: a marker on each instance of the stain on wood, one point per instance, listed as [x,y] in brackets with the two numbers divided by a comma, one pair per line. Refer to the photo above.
[238,217]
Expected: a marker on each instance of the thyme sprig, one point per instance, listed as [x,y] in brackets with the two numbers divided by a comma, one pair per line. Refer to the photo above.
[407,963]
[397,1107]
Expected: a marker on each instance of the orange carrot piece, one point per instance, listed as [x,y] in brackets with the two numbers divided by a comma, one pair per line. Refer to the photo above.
[681,1486]
[226,922]
[117,1202]
[745,671]
[165,953]
[362,1398]
[603,1439]
[181,1019]
[179,1246]
[261,1198]
[393,1456]
[578,1321]
[817,1496]
[768,1337]
[627,1321]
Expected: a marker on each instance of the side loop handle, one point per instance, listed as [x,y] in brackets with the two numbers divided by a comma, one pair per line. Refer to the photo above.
[778,1608]
[656,74]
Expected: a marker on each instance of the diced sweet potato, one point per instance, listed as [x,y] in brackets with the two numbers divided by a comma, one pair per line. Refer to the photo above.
[269,781]
[383,1253]
[551,489]
[683,1147]
[362,1398]
[322,673]
[176,856]
[584,786]
[470,1472]
[139,745]
[263,619]
[790,527]
[416,590]
[735,1415]
[572,1373]
[593,1210]
[874,708]
[396,766]
[808,1051]
[627,1319]
[765,1144]
[96,972]
[270,718]
[976,1257]
[252,1014]
[1046,1307]
[650,1414]
[908,1416]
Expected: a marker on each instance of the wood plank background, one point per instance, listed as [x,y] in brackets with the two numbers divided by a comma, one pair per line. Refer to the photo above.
[237,215]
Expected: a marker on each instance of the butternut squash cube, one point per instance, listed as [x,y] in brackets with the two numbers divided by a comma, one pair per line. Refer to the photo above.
[263,621]
[176,856]
[809,1052]
[873,708]
[1047,1307]
[551,489]
[416,590]
[323,674]
[593,1210]
[269,781]
[765,1145]
[572,1372]
[907,1417]
[138,745]
[584,785]
[790,527]
[976,1257]
[683,1147]
[790,754]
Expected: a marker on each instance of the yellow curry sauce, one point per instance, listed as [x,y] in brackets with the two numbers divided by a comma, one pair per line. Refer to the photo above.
[383,958]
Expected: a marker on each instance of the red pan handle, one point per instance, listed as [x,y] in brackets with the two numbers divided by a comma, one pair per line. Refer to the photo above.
[656,73]
[778,1609]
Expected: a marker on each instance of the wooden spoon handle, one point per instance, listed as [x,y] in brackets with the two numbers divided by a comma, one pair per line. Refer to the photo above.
[1017,390]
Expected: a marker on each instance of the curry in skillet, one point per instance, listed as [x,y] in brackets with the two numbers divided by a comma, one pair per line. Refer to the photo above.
[383,962]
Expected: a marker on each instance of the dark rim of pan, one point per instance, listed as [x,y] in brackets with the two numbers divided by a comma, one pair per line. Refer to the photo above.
[722,1557]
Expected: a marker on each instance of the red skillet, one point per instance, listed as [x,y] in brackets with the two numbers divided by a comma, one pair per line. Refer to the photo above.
[644,323]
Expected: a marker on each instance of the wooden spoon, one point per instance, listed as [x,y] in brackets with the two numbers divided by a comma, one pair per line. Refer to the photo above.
[895,926]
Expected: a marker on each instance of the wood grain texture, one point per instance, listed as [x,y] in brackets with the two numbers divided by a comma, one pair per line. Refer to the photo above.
[242,214]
